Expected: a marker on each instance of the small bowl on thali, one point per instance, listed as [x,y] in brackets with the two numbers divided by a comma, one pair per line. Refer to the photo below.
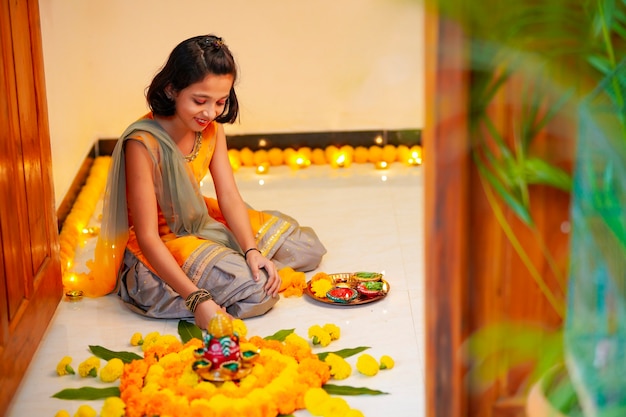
[342,294]
[359,277]
[370,288]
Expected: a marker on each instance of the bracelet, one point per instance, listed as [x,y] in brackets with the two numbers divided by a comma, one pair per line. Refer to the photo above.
[197,297]
[245,254]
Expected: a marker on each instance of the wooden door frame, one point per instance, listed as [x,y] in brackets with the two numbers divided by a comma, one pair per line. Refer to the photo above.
[23,115]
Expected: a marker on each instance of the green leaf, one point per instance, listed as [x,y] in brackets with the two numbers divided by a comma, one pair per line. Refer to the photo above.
[280,335]
[539,171]
[87,393]
[344,353]
[600,63]
[348,390]
[107,355]
[188,331]
[521,211]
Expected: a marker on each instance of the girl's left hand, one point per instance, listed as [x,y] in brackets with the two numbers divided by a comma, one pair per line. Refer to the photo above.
[256,261]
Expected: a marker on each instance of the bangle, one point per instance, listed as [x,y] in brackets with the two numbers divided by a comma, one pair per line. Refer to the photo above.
[245,254]
[197,297]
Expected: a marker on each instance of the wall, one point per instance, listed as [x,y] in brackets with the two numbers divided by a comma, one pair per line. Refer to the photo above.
[304,66]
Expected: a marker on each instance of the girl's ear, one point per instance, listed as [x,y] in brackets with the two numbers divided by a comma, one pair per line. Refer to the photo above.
[169,92]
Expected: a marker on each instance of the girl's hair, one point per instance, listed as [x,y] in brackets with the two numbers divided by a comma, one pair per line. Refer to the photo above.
[190,62]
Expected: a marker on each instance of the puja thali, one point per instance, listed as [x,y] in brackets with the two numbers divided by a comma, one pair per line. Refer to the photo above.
[347,288]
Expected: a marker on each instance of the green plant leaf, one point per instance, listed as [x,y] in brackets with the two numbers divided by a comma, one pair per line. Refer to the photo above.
[107,355]
[280,335]
[539,171]
[87,393]
[188,331]
[344,353]
[348,390]
[600,63]
[509,199]
[492,351]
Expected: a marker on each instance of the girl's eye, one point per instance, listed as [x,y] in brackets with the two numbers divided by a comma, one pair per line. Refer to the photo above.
[221,103]
[200,102]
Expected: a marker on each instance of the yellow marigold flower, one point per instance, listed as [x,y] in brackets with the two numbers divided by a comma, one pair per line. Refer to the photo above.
[62,413]
[320,287]
[367,365]
[319,336]
[89,367]
[314,399]
[136,339]
[64,367]
[275,156]
[113,407]
[386,362]
[112,370]
[260,156]
[318,156]
[361,154]
[375,153]
[353,412]
[247,157]
[240,328]
[85,411]
[149,340]
[389,153]
[339,368]
[333,330]
[298,341]
[335,407]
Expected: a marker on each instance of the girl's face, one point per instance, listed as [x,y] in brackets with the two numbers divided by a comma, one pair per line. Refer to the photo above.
[199,104]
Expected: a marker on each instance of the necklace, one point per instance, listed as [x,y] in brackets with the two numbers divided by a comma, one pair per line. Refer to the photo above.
[196,148]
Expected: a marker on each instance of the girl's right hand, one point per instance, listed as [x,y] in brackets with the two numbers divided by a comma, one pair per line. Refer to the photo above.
[205,312]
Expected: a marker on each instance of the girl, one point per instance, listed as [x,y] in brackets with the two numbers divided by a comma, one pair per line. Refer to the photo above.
[180,254]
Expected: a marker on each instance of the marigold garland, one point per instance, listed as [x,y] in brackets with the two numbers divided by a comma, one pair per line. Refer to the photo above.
[287,376]
[164,383]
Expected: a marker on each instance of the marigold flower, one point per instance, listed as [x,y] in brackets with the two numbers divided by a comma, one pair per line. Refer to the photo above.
[353,412]
[314,398]
[85,411]
[367,365]
[339,367]
[333,330]
[335,407]
[136,339]
[62,413]
[240,328]
[64,367]
[113,407]
[89,367]
[112,370]
[149,340]
[386,362]
[319,336]
[321,286]
[298,341]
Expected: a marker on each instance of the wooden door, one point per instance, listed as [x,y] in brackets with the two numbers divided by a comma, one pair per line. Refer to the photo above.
[30,284]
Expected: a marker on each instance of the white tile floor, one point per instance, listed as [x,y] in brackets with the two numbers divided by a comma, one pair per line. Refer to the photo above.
[368,220]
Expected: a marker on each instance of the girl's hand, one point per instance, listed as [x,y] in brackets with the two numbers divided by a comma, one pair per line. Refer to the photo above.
[205,312]
[256,261]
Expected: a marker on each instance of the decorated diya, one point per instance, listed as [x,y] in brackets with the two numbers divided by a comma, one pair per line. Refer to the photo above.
[221,358]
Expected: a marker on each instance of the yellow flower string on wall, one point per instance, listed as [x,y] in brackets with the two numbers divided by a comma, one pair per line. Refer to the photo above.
[337,157]
[76,228]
